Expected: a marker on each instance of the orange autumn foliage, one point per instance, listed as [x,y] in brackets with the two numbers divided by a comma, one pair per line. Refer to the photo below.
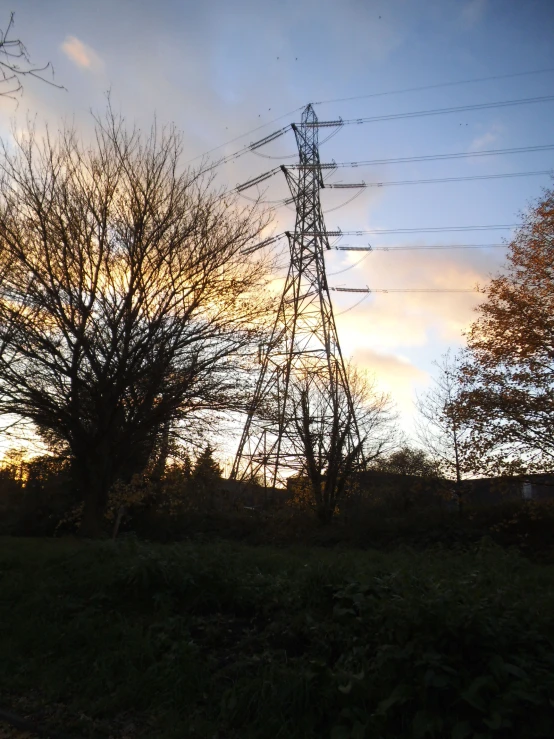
[507,378]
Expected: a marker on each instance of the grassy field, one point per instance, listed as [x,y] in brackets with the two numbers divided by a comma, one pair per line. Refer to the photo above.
[222,640]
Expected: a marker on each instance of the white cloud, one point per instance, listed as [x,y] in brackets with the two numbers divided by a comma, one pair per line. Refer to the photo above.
[387,322]
[473,12]
[484,141]
[82,55]
[393,375]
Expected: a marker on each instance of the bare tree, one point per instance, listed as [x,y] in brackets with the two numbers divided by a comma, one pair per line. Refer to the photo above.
[319,432]
[127,303]
[15,64]
[440,429]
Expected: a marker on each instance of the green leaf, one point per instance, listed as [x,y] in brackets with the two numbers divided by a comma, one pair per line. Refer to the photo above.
[338,611]
[517,671]
[498,666]
[431,679]
[473,695]
[495,722]
[399,695]
[346,688]
[461,730]
[423,725]
[340,732]
[354,715]
[231,702]
[428,677]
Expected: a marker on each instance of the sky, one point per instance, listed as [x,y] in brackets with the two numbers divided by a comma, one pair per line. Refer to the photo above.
[229,72]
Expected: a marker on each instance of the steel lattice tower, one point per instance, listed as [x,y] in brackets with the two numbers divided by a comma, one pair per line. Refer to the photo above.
[304,336]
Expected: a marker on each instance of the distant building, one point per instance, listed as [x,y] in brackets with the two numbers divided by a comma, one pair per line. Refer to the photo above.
[236,493]
[491,490]
[408,491]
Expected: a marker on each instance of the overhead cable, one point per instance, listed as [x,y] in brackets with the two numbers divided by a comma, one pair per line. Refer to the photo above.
[377,94]
[467,178]
[266,242]
[438,111]
[436,86]
[432,229]
[439,157]
[359,302]
[428,229]
[268,139]
[416,247]
[340,185]
[403,290]
[248,133]
[257,180]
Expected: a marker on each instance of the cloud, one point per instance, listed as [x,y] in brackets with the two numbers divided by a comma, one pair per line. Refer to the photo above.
[393,375]
[473,12]
[389,367]
[82,55]
[411,320]
[482,142]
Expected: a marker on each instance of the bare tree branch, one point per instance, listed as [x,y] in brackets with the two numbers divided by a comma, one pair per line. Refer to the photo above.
[320,426]
[15,65]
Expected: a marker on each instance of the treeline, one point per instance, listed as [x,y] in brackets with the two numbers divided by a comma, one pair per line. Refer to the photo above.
[131,319]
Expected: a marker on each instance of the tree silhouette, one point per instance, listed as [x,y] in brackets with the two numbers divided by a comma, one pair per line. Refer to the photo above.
[407,463]
[127,303]
[320,437]
[441,429]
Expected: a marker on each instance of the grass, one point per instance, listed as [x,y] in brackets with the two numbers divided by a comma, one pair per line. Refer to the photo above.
[215,639]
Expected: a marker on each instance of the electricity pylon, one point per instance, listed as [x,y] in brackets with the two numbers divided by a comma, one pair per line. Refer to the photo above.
[304,340]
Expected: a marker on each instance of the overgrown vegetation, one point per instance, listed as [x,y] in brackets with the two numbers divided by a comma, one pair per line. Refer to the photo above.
[382,512]
[203,639]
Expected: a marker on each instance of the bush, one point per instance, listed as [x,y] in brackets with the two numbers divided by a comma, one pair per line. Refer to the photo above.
[201,637]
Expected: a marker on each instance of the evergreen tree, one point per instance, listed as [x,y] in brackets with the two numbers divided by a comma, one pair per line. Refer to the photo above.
[205,475]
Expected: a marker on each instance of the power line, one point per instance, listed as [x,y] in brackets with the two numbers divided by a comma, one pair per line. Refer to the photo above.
[436,111]
[468,178]
[377,94]
[363,185]
[436,86]
[427,229]
[370,248]
[439,157]
[359,302]
[351,266]
[249,149]
[346,202]
[242,135]
[403,290]
[252,147]
[338,185]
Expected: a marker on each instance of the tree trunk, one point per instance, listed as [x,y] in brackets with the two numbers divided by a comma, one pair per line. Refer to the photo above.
[325,511]
[459,497]
[92,522]
[161,461]
[121,512]
[94,485]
